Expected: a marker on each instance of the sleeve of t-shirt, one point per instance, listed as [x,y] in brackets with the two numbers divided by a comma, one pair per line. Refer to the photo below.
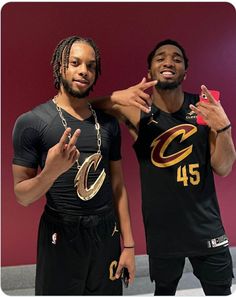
[115,151]
[26,140]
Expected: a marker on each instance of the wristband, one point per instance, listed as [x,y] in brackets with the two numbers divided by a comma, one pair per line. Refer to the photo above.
[223,129]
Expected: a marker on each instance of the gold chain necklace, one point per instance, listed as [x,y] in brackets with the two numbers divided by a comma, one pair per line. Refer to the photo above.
[81,178]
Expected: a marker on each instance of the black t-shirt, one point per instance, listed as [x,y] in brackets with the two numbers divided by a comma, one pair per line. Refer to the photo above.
[36,131]
[179,203]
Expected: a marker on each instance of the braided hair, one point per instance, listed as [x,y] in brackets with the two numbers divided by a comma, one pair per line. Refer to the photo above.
[61,57]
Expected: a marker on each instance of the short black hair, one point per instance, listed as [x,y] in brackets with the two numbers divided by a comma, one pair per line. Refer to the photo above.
[61,57]
[164,42]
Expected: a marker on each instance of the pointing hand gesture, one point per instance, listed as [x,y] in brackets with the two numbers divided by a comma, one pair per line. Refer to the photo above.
[135,96]
[212,111]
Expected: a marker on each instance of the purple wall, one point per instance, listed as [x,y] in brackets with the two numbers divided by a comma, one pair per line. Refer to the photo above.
[125,34]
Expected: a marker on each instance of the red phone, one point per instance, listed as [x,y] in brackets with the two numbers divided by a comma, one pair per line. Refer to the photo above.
[203,98]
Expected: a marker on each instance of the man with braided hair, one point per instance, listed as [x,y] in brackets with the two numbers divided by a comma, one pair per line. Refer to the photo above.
[78,151]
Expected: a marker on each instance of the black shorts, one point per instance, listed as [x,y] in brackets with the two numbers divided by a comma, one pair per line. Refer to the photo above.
[214,269]
[77,256]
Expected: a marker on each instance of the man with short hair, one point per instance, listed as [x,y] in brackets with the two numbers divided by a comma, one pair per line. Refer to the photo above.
[177,157]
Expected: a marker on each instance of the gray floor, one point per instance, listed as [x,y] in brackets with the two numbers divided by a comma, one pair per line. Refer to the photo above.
[19,280]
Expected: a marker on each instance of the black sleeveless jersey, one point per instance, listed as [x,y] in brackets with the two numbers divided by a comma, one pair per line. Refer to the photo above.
[179,203]
[36,131]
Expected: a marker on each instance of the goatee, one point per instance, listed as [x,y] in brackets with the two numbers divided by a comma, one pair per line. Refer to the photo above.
[165,85]
[73,93]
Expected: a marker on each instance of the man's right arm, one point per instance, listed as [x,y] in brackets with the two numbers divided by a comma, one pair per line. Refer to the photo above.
[30,186]
[135,96]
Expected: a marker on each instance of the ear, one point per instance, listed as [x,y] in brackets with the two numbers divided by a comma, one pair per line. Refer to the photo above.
[185,75]
[149,75]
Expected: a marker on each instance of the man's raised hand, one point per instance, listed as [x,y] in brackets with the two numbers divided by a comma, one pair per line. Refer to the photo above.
[135,96]
[63,155]
[212,111]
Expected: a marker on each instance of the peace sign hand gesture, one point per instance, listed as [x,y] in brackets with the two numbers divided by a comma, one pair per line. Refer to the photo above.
[63,155]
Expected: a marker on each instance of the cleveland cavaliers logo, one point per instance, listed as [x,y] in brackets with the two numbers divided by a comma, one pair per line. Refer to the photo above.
[112,270]
[81,179]
[161,143]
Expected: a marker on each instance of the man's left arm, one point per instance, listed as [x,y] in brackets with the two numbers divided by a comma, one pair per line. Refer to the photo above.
[222,147]
[222,152]
[127,258]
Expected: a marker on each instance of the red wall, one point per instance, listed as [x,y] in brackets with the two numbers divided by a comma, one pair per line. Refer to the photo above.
[125,34]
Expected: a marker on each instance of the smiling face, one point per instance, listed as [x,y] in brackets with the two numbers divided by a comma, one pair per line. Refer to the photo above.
[167,66]
[78,79]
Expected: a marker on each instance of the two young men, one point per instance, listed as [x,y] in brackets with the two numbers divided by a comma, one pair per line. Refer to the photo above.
[176,157]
